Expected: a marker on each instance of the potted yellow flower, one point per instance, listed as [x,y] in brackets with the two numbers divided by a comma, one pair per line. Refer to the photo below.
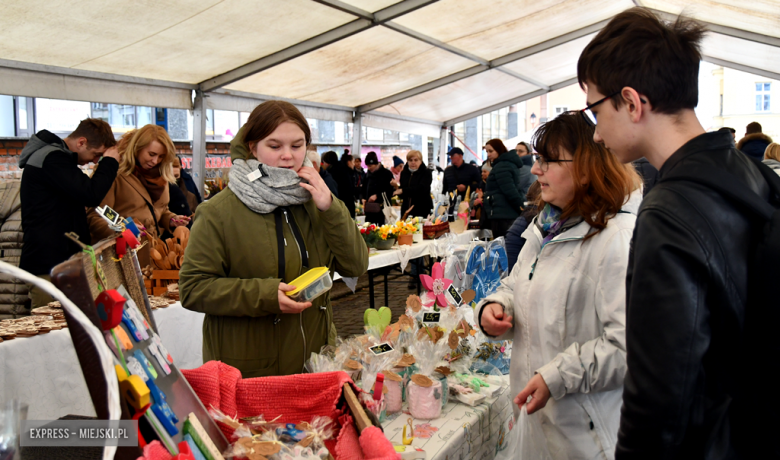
[387,236]
[405,231]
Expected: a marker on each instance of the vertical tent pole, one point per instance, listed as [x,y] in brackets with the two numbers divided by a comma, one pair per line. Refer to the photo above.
[199,142]
[443,138]
[357,134]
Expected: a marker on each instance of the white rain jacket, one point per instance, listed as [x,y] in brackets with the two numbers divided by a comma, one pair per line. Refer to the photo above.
[569,326]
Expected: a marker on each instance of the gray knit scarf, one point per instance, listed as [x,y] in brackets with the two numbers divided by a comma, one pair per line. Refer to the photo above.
[276,187]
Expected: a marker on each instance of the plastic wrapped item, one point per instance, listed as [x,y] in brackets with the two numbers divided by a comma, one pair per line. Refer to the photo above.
[394,395]
[488,264]
[445,391]
[311,285]
[424,393]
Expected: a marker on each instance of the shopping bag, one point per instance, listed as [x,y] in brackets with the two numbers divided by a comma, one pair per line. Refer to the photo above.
[391,215]
[526,440]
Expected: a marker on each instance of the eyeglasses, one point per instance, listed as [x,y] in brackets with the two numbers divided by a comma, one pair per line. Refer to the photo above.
[544,163]
[588,114]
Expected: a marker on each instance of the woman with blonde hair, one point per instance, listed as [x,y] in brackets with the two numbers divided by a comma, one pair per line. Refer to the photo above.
[140,189]
[415,186]
[772,157]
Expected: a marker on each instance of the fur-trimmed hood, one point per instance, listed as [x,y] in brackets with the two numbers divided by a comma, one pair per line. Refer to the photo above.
[753,137]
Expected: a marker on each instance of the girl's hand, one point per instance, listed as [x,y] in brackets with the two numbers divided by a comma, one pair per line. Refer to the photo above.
[320,192]
[177,221]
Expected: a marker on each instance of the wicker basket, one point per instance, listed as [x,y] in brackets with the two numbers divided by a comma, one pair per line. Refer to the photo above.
[431,232]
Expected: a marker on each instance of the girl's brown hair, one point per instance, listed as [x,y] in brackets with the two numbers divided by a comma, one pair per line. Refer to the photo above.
[136,140]
[497,145]
[608,183]
[266,117]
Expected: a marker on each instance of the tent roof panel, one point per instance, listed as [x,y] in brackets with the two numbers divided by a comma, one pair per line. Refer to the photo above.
[743,52]
[757,16]
[244,32]
[461,97]
[65,33]
[553,65]
[367,66]
[470,26]
[371,6]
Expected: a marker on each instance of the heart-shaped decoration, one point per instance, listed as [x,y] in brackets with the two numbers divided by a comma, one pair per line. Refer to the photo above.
[406,361]
[380,318]
[467,296]
[390,375]
[443,370]
[353,365]
[431,333]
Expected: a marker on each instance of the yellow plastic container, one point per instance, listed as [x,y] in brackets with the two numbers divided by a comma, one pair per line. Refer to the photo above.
[311,285]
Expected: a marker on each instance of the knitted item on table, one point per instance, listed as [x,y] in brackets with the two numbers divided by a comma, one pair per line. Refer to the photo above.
[296,398]
[393,397]
[424,402]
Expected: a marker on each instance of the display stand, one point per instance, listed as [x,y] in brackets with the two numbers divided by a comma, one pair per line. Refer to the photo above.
[77,279]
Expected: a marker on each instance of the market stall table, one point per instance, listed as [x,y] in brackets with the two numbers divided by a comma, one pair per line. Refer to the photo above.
[462,431]
[400,255]
[44,372]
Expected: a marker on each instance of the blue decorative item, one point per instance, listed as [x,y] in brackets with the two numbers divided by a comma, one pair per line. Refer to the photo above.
[487,266]
[130,225]
[128,322]
[290,433]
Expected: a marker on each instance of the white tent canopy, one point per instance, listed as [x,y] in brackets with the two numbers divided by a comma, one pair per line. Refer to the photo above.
[412,65]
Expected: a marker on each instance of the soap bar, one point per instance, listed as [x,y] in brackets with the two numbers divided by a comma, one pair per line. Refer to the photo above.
[471,399]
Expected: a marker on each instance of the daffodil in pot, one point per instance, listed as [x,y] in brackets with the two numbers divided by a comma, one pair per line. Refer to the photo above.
[387,236]
[405,231]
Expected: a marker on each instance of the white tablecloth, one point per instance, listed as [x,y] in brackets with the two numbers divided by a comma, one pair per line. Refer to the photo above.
[462,432]
[44,372]
[378,259]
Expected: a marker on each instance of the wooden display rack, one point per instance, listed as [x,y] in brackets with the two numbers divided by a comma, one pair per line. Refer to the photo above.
[76,278]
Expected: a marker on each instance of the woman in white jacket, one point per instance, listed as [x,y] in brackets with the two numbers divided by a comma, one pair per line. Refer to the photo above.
[564,303]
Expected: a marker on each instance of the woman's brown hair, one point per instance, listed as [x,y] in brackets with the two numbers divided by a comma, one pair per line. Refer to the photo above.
[266,117]
[497,145]
[772,152]
[607,182]
[136,140]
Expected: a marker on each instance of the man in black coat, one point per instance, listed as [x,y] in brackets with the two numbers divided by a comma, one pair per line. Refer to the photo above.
[55,194]
[688,391]
[460,176]
[343,175]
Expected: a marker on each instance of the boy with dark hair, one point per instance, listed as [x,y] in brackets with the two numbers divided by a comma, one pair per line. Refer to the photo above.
[687,280]
[55,194]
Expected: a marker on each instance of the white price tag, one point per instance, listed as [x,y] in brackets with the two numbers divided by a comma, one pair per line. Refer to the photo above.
[254,175]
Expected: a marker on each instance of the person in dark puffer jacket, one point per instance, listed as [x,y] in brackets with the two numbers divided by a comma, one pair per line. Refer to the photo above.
[503,201]
[755,141]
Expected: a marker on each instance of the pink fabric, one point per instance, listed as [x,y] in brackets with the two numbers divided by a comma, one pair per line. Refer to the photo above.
[155,451]
[295,398]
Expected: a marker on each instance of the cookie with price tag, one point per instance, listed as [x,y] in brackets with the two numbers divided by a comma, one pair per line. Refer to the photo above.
[431,317]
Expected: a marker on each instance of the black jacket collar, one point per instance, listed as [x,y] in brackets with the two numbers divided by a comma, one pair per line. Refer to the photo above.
[699,144]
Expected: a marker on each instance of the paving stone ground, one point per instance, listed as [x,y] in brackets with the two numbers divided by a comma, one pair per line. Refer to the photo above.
[348,308]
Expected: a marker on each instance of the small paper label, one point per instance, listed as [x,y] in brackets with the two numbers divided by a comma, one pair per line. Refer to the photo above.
[456,298]
[254,175]
[109,214]
[431,317]
[381,349]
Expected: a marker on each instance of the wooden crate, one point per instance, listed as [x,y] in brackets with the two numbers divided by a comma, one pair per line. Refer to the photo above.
[161,279]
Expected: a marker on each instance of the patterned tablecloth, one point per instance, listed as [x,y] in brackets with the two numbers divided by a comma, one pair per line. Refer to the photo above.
[462,432]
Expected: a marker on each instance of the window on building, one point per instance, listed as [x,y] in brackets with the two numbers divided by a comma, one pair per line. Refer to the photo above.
[763,91]
[559,110]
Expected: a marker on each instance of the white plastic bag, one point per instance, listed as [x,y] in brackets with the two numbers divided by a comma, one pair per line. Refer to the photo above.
[526,440]
[391,215]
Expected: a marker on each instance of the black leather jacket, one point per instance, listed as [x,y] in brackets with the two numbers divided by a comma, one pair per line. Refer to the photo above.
[686,294]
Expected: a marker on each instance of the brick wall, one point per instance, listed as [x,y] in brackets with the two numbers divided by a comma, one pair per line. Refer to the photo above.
[9,158]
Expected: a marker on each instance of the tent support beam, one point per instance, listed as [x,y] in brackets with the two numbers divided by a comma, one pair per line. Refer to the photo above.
[740,67]
[347,8]
[357,135]
[531,50]
[199,142]
[314,43]
[513,101]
